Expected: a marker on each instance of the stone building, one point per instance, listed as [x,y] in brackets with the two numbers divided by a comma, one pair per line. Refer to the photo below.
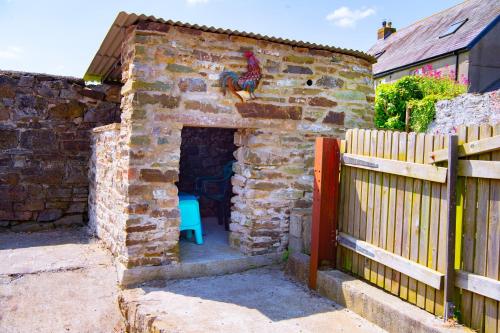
[170,75]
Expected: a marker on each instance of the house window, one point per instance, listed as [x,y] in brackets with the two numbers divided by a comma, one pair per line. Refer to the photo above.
[453,28]
[378,54]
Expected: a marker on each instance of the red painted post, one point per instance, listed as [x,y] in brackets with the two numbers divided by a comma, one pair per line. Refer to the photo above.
[325,206]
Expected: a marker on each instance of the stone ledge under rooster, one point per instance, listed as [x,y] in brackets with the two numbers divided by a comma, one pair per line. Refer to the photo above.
[246,83]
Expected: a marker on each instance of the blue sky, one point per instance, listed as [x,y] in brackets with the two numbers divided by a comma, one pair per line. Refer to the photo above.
[62,36]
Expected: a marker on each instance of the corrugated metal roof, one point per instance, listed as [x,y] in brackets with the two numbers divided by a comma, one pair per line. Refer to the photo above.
[106,63]
[420,41]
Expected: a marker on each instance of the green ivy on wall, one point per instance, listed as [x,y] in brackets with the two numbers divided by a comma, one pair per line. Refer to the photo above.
[419,94]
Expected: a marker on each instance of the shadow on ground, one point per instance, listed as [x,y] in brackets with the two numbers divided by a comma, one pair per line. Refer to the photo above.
[259,300]
[16,240]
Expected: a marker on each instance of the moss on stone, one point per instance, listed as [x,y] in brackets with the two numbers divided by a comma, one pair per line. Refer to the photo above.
[179,68]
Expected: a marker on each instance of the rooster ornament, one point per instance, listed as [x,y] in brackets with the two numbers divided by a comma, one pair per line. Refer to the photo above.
[247,82]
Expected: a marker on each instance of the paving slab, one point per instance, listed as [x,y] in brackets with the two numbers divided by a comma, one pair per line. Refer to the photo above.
[258,300]
[57,281]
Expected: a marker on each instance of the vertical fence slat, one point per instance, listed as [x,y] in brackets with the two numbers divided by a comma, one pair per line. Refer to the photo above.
[345,197]
[449,282]
[384,211]
[415,220]
[491,320]
[364,202]
[432,253]
[410,157]
[391,211]
[352,257]
[376,278]
[469,230]
[341,202]
[483,189]
[357,202]
[400,204]
[370,207]
[424,221]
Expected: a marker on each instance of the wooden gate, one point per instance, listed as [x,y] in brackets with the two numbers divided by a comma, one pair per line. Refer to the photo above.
[396,222]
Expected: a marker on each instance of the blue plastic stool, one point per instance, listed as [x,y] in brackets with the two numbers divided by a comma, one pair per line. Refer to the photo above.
[190,217]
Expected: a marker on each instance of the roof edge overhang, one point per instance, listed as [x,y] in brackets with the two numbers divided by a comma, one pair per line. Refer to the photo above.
[105,65]
[486,29]
[420,62]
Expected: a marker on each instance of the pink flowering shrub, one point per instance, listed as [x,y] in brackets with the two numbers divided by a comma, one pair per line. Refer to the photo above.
[450,74]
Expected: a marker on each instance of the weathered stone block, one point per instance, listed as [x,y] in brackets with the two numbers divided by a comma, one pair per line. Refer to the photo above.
[70,220]
[297,70]
[192,85]
[39,140]
[91,93]
[49,215]
[140,140]
[8,139]
[176,68]
[322,101]
[166,101]
[330,82]
[296,226]
[197,105]
[7,91]
[299,59]
[26,81]
[155,175]
[152,86]
[153,26]
[66,111]
[271,111]
[336,118]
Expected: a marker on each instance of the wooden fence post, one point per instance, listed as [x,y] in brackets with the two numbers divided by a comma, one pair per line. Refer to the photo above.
[407,119]
[325,206]
[449,282]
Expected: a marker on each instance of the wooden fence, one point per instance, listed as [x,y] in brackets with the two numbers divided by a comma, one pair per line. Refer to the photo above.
[396,206]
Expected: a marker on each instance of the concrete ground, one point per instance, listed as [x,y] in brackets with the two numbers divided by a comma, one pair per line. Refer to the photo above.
[215,244]
[259,300]
[56,281]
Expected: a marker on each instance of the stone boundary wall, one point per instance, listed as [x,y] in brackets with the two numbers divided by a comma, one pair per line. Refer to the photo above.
[45,124]
[466,109]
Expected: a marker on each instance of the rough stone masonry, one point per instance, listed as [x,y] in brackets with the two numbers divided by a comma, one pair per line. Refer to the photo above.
[170,80]
[45,124]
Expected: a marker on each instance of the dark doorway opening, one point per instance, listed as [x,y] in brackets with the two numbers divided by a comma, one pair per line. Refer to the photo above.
[205,172]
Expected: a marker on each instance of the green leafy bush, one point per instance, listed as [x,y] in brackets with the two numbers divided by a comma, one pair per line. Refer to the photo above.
[419,93]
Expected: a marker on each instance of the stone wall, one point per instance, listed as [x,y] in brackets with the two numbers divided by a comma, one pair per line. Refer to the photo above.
[204,152]
[45,146]
[466,109]
[106,192]
[171,80]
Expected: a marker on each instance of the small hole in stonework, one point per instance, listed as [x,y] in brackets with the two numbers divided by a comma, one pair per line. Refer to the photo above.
[309,82]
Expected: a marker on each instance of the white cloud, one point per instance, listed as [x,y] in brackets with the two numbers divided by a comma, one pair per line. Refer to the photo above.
[10,52]
[196,2]
[347,18]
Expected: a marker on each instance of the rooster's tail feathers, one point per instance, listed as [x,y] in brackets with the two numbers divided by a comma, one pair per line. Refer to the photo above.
[224,76]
